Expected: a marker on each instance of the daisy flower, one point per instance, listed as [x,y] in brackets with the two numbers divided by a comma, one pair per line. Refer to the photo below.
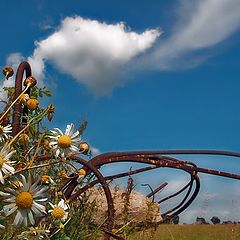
[28,201]
[5,163]
[59,211]
[4,132]
[64,143]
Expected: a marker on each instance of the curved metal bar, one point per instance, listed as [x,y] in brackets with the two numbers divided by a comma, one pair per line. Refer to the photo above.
[120,175]
[178,164]
[194,195]
[176,193]
[17,110]
[103,159]
[183,200]
[167,152]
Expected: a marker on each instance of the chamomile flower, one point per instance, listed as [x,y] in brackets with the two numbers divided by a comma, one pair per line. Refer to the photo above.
[5,163]
[64,143]
[59,211]
[4,132]
[28,201]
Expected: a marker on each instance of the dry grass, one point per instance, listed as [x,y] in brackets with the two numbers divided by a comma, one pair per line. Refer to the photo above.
[190,232]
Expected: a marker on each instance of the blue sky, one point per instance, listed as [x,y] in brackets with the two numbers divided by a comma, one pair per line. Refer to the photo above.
[145,74]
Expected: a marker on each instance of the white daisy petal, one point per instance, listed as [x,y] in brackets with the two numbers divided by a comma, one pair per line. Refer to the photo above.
[57,129]
[18,219]
[9,168]
[31,218]
[25,219]
[12,210]
[52,206]
[10,190]
[3,194]
[24,182]
[39,207]
[7,209]
[75,135]
[10,200]
[1,178]
[57,152]
[74,148]
[36,211]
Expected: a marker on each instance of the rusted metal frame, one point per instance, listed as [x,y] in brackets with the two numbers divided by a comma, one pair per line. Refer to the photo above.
[106,191]
[213,172]
[183,200]
[122,175]
[70,185]
[107,158]
[116,176]
[166,152]
[181,165]
[17,109]
[190,200]
[175,194]
[156,190]
[161,163]
[141,158]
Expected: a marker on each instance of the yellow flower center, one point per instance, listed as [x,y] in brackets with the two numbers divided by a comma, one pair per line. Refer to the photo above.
[2,161]
[58,212]
[24,200]
[1,129]
[64,141]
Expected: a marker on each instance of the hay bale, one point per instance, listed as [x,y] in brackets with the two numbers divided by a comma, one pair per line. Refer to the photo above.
[134,207]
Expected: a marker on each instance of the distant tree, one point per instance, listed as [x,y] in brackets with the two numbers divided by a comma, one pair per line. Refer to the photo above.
[227,222]
[215,220]
[175,219]
[200,220]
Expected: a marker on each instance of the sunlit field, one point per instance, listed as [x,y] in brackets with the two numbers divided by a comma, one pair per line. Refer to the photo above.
[190,232]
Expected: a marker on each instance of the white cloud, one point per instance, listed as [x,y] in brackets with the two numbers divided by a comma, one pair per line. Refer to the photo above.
[201,24]
[91,52]
[98,54]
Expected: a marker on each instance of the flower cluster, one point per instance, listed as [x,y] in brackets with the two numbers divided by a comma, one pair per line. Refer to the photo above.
[34,164]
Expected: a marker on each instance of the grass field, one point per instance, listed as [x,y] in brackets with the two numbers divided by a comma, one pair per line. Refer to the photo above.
[190,232]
